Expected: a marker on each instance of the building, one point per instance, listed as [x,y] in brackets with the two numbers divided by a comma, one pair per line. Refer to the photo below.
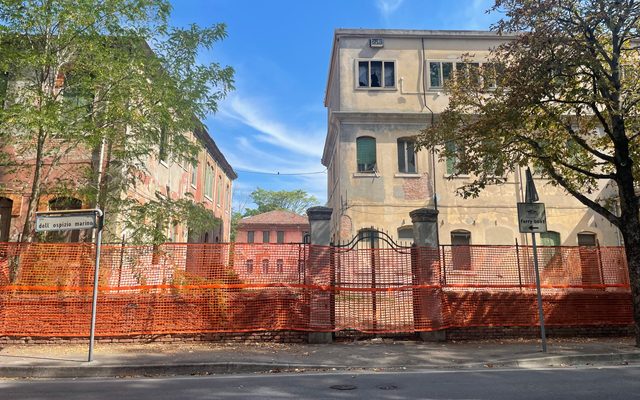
[384,86]
[209,182]
[278,226]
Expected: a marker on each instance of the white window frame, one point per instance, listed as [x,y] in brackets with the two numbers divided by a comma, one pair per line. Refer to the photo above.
[453,71]
[382,87]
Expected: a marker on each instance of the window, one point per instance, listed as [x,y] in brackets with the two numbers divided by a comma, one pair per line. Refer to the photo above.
[265,237]
[6,205]
[265,266]
[194,174]
[440,73]
[406,156]
[219,195]
[370,236]
[550,238]
[405,233]
[366,154]
[208,181]
[249,266]
[77,91]
[461,250]
[163,152]
[250,236]
[279,265]
[452,158]
[587,239]
[376,74]
[4,83]
[280,236]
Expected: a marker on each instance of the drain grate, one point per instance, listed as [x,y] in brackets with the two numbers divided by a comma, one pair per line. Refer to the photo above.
[343,387]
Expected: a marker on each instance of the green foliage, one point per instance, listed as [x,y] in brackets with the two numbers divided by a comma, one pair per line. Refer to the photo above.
[561,102]
[149,222]
[113,77]
[297,201]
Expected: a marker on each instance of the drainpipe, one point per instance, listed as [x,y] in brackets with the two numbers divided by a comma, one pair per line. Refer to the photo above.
[433,151]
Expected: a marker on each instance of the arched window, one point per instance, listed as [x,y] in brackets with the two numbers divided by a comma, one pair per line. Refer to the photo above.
[59,204]
[550,238]
[5,218]
[369,236]
[406,156]
[405,234]
[461,250]
[549,241]
[366,154]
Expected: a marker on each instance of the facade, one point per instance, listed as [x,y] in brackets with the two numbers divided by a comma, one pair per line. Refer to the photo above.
[384,86]
[278,226]
[209,182]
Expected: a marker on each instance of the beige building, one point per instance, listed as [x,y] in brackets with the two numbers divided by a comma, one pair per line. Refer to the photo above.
[384,86]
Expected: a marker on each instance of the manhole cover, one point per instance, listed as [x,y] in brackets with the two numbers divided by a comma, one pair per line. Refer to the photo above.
[343,387]
[387,387]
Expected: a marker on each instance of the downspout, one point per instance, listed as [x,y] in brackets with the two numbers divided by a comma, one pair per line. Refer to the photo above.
[433,151]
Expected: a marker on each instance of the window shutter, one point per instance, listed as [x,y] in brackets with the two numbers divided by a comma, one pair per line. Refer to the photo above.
[451,160]
[366,153]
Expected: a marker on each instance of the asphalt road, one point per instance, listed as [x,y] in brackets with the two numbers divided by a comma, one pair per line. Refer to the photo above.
[583,384]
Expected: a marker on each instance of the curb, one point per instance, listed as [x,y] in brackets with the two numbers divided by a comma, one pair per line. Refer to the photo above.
[119,371]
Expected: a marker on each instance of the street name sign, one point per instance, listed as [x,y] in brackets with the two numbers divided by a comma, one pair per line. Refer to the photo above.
[53,221]
[532,218]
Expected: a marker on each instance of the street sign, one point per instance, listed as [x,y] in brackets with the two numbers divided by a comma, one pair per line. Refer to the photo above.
[65,221]
[532,218]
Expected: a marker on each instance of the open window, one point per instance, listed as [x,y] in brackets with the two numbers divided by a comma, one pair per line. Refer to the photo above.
[5,218]
[406,156]
[376,74]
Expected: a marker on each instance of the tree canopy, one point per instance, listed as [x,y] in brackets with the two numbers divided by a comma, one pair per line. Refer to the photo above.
[561,94]
[297,201]
[111,76]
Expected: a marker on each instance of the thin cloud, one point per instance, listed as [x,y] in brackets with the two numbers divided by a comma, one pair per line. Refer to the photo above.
[250,113]
[388,7]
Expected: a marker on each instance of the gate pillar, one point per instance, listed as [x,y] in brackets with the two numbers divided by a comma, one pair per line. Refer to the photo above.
[320,272]
[425,267]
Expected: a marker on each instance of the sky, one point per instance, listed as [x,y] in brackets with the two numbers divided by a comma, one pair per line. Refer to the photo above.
[272,127]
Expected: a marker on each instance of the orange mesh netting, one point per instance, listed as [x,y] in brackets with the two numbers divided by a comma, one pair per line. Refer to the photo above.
[45,289]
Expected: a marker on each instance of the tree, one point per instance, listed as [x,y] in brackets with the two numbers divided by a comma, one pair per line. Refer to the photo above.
[111,76]
[297,201]
[566,102]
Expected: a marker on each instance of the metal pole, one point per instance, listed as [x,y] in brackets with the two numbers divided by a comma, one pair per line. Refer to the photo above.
[96,277]
[540,310]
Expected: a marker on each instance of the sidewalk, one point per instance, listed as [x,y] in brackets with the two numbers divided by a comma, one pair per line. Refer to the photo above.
[56,361]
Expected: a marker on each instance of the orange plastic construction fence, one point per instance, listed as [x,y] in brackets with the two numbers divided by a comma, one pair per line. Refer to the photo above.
[45,289]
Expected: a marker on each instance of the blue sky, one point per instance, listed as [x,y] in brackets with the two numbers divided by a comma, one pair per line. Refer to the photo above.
[275,120]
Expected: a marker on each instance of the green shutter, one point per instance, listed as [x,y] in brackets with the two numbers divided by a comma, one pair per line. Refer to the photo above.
[451,159]
[366,153]
[550,238]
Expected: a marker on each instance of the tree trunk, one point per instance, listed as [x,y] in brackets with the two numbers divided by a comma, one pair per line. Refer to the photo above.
[632,251]
[28,232]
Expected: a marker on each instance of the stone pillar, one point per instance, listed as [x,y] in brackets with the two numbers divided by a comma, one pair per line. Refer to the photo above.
[425,266]
[320,271]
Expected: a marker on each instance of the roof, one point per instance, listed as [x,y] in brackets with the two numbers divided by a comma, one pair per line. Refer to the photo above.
[278,217]
[203,135]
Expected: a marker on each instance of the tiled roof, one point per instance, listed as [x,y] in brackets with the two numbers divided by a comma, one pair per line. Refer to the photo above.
[278,217]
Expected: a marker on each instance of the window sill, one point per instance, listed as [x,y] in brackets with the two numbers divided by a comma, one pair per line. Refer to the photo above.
[466,272]
[450,176]
[163,162]
[208,198]
[407,175]
[193,186]
[383,89]
[365,175]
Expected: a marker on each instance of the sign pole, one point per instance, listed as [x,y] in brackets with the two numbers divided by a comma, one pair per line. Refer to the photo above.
[540,309]
[96,278]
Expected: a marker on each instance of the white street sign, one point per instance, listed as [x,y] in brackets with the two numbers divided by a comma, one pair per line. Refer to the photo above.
[532,218]
[47,222]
